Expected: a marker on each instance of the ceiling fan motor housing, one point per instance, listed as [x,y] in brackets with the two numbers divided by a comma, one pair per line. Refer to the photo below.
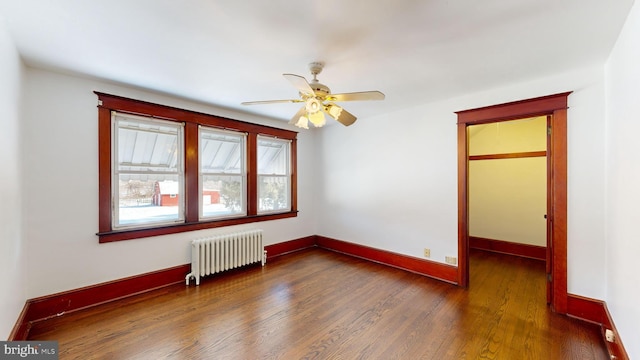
[320,90]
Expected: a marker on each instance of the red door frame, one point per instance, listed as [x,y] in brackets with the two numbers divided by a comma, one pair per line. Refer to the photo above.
[554,106]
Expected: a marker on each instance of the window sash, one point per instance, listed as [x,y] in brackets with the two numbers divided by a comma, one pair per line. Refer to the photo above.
[126,217]
[276,165]
[208,211]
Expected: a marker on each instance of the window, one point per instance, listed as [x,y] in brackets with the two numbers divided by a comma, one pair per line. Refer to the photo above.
[273,174]
[148,172]
[164,170]
[222,173]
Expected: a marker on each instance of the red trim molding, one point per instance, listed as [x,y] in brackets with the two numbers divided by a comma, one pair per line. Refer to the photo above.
[511,248]
[428,268]
[596,311]
[518,155]
[21,329]
[555,107]
[514,110]
[49,306]
[46,307]
[287,247]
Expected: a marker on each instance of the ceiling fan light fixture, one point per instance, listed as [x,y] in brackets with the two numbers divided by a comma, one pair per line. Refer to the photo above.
[317,119]
[302,122]
[318,100]
[333,110]
[313,105]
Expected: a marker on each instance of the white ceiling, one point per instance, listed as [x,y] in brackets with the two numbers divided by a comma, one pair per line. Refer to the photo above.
[229,51]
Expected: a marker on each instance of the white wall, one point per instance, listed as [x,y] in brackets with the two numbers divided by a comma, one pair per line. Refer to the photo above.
[622,183]
[12,262]
[390,181]
[508,197]
[60,154]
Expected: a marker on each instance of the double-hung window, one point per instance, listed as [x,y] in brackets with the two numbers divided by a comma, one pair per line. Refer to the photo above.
[274,176]
[222,173]
[147,172]
[164,170]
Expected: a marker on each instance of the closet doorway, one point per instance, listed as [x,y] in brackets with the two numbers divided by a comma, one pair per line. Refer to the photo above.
[552,108]
[507,186]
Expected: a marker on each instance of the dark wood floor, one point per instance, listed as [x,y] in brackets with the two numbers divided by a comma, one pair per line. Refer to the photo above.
[316,304]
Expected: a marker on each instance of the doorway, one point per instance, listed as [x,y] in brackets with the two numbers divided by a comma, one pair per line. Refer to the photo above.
[507,185]
[555,108]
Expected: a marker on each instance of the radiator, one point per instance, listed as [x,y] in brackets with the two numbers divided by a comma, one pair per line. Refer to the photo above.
[218,253]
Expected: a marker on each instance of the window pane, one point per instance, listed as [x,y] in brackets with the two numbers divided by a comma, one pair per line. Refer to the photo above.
[147,146]
[273,156]
[222,195]
[221,152]
[273,192]
[146,199]
[148,172]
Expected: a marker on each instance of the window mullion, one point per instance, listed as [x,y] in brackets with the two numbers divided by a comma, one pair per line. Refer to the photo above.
[192,197]
[252,174]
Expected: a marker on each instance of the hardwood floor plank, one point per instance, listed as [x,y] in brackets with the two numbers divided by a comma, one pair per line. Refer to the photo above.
[316,304]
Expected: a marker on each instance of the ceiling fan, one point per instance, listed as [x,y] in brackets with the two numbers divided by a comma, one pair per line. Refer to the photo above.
[318,100]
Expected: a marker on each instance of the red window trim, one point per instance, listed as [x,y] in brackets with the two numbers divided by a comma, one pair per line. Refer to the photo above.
[108,103]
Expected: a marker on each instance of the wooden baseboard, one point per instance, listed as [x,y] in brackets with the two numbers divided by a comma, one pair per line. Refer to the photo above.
[506,247]
[596,311]
[45,307]
[428,268]
[21,329]
[49,306]
[286,247]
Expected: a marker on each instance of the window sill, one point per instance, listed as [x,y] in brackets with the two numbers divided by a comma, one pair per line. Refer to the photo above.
[131,234]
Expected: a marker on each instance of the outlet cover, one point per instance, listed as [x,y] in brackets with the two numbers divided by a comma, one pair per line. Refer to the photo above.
[427,252]
[451,260]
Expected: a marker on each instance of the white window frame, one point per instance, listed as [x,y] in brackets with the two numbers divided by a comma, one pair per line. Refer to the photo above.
[116,172]
[243,173]
[286,175]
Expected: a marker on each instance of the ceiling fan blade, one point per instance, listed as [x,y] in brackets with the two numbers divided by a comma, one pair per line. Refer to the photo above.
[300,83]
[339,114]
[357,96]
[271,102]
[300,119]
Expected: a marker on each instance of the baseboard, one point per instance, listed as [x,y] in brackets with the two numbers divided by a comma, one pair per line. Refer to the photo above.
[45,307]
[49,306]
[20,330]
[428,268]
[596,311]
[506,247]
[287,247]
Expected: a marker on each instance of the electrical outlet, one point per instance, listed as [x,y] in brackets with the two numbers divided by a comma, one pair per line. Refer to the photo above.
[427,252]
[610,336]
[451,260]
